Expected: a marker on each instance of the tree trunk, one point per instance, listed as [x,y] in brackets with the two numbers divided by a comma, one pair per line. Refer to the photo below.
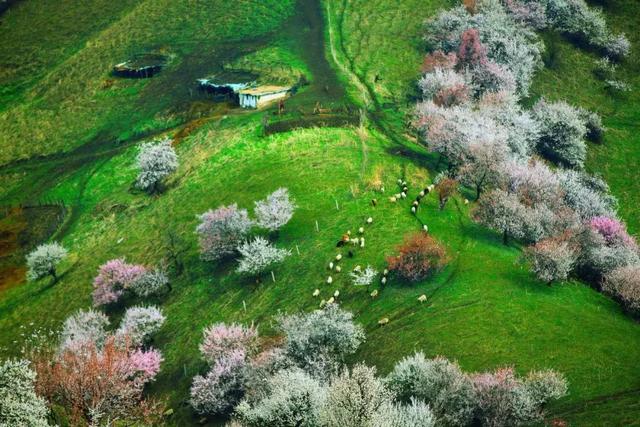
[54,275]
[505,238]
[478,191]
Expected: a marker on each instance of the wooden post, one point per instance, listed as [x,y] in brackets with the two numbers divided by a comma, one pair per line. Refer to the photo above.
[273,276]
[244,305]
[317,226]
[297,250]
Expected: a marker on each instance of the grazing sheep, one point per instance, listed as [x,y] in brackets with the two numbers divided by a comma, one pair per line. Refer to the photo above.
[331,300]
[383,321]
[331,266]
[404,183]
[431,187]
[362,242]
[399,181]
[355,241]
[466,201]
[416,203]
[338,269]
[393,199]
[382,189]
[405,189]
[422,298]
[374,202]
[383,280]
[348,232]
[413,210]
[422,193]
[336,294]
[323,303]
[369,220]
[316,292]
[385,272]
[361,230]
[357,268]
[425,228]
[374,293]
[338,257]
[330,280]
[398,196]
[403,195]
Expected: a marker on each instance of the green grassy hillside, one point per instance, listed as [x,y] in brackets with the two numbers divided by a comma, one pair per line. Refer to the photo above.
[484,309]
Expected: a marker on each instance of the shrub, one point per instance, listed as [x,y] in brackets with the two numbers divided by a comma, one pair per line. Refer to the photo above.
[562,130]
[552,259]
[322,335]
[84,327]
[150,283]
[527,13]
[146,364]
[419,256]
[439,59]
[222,388]
[19,403]
[258,255]
[113,279]
[439,383]
[294,400]
[221,231]
[355,398]
[623,284]
[275,211]
[492,77]
[587,195]
[156,161]
[617,46]
[414,414]
[43,261]
[505,400]
[98,386]
[605,69]
[220,340]
[364,277]
[471,52]
[595,128]
[434,83]
[503,212]
[139,323]
[610,228]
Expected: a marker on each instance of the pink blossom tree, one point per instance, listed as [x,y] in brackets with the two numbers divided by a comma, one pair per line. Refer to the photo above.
[472,52]
[113,279]
[221,339]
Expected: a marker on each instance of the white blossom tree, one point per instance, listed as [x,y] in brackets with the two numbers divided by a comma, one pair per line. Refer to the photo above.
[156,161]
[82,328]
[221,231]
[44,260]
[552,259]
[258,255]
[274,211]
[363,277]
[139,323]
[19,404]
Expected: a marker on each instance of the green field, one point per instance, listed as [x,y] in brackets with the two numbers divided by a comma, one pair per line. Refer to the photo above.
[484,309]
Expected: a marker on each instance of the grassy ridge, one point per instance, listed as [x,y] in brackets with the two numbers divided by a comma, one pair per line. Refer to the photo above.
[78,101]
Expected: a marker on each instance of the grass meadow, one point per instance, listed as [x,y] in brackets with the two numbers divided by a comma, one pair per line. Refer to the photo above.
[484,310]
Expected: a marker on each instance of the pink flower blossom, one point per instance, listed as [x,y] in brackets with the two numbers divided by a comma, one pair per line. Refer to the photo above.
[221,340]
[113,278]
[146,363]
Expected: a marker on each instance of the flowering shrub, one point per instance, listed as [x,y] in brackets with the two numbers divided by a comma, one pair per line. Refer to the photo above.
[221,231]
[439,81]
[439,383]
[258,255]
[139,323]
[414,414]
[156,161]
[328,334]
[552,259]
[364,277]
[221,339]
[151,282]
[419,256]
[623,284]
[472,52]
[19,403]
[562,130]
[609,228]
[84,327]
[44,259]
[275,211]
[439,59]
[146,363]
[100,385]
[294,399]
[113,279]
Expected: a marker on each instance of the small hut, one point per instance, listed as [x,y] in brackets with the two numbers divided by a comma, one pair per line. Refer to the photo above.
[259,96]
[141,66]
[227,84]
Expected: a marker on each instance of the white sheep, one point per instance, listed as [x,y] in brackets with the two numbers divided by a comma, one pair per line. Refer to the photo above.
[338,269]
[348,232]
[399,181]
[374,293]
[393,199]
[330,280]
[331,266]
[316,292]
[425,228]
[383,321]
[338,257]
[362,242]
[413,210]
[383,280]
[431,187]
[322,303]
[466,201]
[416,203]
[422,298]
[357,268]
[404,183]
[403,195]
[385,272]
[369,220]
[361,230]
[336,294]
[331,300]
[422,193]
[355,241]
[398,196]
